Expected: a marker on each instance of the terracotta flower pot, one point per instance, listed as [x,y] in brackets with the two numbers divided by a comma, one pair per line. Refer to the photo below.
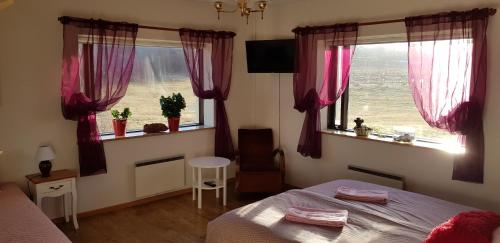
[119,126]
[173,124]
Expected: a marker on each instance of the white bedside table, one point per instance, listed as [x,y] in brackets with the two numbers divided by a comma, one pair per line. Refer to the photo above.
[199,183]
[60,183]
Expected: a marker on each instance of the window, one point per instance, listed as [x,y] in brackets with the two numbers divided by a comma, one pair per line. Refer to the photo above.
[159,69]
[379,93]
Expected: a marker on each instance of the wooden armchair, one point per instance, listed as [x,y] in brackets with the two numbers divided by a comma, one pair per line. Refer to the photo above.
[257,169]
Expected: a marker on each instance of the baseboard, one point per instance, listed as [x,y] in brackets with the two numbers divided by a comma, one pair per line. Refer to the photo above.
[133,203]
[127,204]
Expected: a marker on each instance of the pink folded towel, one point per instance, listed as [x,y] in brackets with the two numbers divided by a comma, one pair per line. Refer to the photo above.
[372,196]
[331,218]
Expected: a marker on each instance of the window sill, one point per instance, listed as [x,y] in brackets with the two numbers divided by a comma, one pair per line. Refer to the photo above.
[132,135]
[449,148]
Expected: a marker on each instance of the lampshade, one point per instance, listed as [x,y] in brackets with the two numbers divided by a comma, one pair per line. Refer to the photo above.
[45,153]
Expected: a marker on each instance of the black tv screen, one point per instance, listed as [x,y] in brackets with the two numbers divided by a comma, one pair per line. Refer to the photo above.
[270,56]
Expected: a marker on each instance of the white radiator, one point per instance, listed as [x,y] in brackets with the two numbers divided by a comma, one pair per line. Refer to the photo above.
[159,176]
[376,177]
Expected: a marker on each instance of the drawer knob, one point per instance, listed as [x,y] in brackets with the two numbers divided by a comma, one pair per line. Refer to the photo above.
[56,188]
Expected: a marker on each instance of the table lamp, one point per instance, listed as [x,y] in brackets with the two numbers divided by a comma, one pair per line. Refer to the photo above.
[45,154]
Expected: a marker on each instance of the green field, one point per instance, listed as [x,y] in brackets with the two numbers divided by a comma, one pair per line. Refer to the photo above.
[388,104]
[379,92]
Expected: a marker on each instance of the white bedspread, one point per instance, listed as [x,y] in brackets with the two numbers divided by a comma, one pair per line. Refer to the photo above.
[408,217]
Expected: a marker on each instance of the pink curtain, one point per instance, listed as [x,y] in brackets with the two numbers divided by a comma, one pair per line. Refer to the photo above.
[98,58]
[447,74]
[323,61]
[209,60]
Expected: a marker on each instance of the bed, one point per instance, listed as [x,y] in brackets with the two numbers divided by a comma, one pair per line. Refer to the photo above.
[22,221]
[408,217]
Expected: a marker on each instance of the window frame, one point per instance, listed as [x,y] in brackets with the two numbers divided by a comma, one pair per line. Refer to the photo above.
[332,112]
[344,99]
[165,44]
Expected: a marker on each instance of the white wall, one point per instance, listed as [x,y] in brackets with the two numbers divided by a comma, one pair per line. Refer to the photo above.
[30,59]
[427,171]
[30,113]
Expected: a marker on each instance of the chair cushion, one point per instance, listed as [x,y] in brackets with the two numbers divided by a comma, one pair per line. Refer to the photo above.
[262,181]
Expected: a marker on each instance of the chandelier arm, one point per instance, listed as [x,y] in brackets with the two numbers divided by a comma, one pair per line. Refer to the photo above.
[229,11]
[261,11]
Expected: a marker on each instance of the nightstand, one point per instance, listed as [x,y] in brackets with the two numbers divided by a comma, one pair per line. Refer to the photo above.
[59,183]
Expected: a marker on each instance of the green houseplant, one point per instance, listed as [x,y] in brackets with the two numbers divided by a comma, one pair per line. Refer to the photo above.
[171,107]
[120,121]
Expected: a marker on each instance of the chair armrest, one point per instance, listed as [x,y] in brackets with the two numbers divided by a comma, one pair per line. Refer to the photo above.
[278,151]
[281,162]
[237,156]
[237,160]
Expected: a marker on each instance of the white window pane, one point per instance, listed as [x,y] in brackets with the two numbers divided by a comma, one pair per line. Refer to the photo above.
[157,71]
[380,94]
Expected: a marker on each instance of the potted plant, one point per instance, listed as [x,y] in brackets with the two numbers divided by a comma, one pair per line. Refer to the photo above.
[120,121]
[171,107]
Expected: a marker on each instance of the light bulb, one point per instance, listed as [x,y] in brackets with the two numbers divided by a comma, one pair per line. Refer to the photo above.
[218,5]
[262,5]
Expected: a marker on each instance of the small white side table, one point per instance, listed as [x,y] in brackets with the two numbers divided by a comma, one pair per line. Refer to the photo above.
[199,183]
[59,183]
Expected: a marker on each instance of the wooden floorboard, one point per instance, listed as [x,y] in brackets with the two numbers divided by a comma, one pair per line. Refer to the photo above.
[175,219]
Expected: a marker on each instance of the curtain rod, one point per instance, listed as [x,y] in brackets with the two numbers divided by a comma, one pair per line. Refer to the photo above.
[62,19]
[157,28]
[65,19]
[491,12]
[390,21]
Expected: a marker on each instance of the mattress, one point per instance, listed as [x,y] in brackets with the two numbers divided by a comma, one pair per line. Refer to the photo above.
[407,217]
[22,221]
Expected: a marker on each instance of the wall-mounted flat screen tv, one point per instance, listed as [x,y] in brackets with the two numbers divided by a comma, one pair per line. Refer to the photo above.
[270,56]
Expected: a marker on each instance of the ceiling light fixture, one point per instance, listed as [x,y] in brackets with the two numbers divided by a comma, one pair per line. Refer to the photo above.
[5,4]
[243,7]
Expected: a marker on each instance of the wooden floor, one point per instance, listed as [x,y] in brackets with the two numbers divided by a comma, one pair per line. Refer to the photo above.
[174,219]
